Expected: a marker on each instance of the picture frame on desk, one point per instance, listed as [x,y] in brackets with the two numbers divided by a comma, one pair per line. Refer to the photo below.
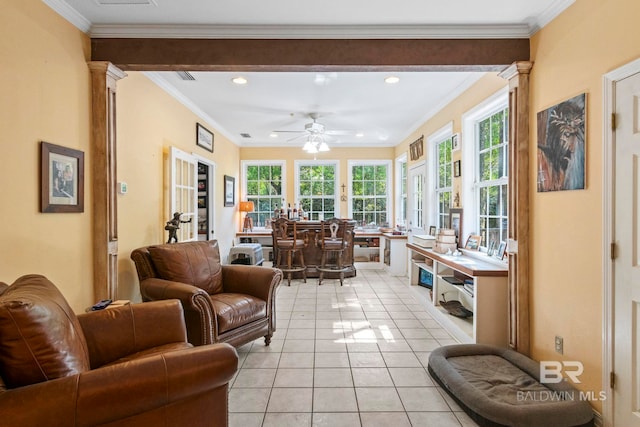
[473,242]
[455,223]
[502,248]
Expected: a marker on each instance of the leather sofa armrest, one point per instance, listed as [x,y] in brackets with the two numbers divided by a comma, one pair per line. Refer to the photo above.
[121,391]
[118,332]
[198,310]
[259,282]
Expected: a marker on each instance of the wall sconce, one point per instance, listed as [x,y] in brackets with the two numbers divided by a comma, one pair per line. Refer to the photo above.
[248,222]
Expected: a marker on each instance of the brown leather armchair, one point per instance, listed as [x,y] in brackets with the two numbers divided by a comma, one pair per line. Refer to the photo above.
[222,303]
[126,366]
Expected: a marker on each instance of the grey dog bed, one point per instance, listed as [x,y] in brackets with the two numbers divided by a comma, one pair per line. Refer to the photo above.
[499,387]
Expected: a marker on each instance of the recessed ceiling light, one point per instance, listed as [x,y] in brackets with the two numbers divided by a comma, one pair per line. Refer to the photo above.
[239,80]
[359,135]
[273,135]
[391,79]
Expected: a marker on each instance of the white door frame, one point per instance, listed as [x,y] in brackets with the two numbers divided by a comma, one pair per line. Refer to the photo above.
[608,167]
[211,191]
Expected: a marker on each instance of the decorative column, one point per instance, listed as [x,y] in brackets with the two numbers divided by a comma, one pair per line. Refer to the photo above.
[104,76]
[518,243]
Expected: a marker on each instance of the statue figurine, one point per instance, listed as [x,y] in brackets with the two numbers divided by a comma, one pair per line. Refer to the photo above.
[173,226]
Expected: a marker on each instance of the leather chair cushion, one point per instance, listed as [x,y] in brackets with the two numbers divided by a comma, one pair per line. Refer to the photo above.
[335,245]
[234,310]
[41,336]
[197,264]
[290,243]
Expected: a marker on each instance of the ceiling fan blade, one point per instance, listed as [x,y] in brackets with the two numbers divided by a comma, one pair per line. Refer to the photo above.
[339,132]
[296,137]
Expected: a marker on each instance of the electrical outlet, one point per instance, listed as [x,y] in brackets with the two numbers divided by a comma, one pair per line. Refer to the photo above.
[559,345]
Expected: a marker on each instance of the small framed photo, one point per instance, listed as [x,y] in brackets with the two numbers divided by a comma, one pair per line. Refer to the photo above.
[229,190]
[432,230]
[502,248]
[456,168]
[61,179]
[491,248]
[455,142]
[473,242]
[204,137]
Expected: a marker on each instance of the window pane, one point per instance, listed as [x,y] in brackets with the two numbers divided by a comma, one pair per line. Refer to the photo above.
[369,173]
[369,188]
[381,187]
[504,201]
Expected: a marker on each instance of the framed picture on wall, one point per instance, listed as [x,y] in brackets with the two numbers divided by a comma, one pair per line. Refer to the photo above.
[61,179]
[229,190]
[456,168]
[204,137]
[455,142]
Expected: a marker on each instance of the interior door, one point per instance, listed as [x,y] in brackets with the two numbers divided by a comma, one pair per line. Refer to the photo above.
[626,337]
[415,202]
[184,193]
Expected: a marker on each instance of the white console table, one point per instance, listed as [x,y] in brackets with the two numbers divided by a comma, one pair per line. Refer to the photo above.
[488,300]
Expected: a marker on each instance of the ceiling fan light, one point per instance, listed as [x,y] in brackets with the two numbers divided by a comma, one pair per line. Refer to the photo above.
[308,146]
[323,146]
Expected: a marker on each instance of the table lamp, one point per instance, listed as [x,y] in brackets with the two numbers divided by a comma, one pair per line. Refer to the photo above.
[248,223]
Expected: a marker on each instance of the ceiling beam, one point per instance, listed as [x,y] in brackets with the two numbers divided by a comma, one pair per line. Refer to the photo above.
[158,54]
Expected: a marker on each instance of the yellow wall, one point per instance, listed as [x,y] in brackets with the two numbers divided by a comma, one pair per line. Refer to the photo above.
[570,56]
[343,155]
[149,122]
[45,96]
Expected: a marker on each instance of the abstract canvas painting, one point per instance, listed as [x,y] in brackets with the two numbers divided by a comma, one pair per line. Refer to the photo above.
[561,146]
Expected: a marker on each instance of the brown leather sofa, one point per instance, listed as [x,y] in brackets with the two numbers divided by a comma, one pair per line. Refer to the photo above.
[126,366]
[222,303]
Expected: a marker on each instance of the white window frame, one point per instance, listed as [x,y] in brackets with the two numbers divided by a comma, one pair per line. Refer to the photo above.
[401,217]
[335,163]
[470,193]
[433,140]
[388,164]
[246,163]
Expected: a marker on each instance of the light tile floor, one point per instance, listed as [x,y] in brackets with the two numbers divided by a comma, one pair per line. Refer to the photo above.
[345,356]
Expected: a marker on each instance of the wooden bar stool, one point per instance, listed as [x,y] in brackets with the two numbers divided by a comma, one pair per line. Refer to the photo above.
[332,243]
[287,242]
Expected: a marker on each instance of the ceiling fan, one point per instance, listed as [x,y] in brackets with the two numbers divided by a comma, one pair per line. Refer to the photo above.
[314,129]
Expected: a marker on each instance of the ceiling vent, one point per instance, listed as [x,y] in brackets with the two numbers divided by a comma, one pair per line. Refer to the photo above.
[245,135]
[185,75]
[126,2]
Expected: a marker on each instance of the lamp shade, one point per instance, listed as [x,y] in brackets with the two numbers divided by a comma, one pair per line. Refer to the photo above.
[246,206]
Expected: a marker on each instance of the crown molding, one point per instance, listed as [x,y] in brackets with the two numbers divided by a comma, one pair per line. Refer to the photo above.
[156,78]
[312,31]
[70,14]
[555,9]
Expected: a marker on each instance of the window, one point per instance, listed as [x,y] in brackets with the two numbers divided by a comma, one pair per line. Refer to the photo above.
[369,192]
[316,183]
[485,144]
[264,186]
[492,162]
[401,190]
[443,182]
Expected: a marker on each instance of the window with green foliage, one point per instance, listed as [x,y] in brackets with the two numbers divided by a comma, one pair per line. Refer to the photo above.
[264,187]
[316,184]
[370,193]
[401,191]
[444,181]
[492,179]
